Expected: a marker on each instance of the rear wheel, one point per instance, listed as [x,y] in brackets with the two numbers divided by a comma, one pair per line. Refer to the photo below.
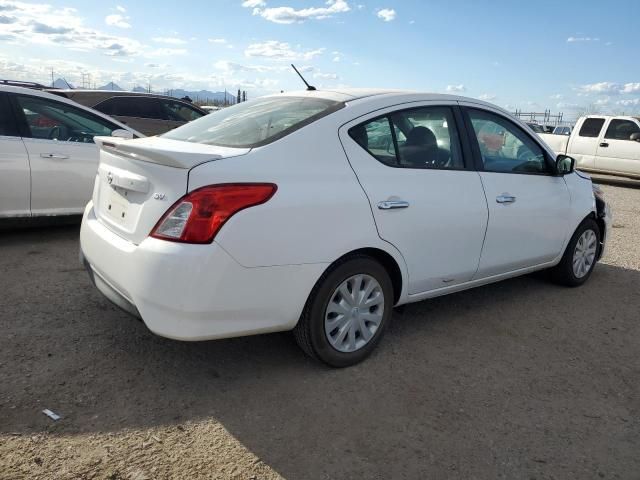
[347,312]
[580,256]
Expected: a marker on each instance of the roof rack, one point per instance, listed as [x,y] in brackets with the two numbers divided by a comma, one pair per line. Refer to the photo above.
[19,83]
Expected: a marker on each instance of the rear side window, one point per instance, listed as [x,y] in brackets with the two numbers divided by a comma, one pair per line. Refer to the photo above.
[139,107]
[8,127]
[416,138]
[591,127]
[621,130]
[255,123]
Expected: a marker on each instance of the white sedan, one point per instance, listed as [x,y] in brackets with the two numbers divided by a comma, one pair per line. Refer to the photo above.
[48,159]
[319,211]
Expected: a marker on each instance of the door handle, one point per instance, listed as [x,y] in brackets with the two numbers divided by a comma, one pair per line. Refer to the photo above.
[392,204]
[505,198]
[604,144]
[54,155]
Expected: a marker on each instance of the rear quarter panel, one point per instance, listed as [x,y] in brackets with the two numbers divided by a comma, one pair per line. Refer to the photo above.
[318,213]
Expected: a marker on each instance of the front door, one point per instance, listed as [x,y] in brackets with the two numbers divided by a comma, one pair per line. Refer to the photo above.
[425,200]
[583,144]
[617,152]
[15,181]
[528,206]
[63,157]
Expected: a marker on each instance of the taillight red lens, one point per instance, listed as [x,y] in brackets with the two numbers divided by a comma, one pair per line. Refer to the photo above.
[198,216]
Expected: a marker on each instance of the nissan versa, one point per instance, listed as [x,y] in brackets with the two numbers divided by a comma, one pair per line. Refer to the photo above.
[319,211]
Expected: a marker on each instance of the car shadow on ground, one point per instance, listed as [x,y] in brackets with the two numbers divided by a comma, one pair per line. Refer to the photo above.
[616,181]
[520,375]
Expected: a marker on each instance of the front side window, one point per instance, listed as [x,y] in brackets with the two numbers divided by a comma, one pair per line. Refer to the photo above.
[48,119]
[255,123]
[591,127]
[179,111]
[8,127]
[416,138]
[621,130]
[504,147]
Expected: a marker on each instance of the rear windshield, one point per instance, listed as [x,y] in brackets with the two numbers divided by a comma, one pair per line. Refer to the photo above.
[254,123]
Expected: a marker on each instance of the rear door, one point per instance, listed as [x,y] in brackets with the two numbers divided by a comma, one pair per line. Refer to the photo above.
[583,144]
[528,206]
[617,152]
[15,178]
[138,112]
[425,197]
[63,157]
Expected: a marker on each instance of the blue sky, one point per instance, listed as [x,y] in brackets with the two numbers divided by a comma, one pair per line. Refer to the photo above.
[562,55]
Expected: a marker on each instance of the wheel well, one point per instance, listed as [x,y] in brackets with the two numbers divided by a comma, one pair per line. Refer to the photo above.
[388,262]
[603,229]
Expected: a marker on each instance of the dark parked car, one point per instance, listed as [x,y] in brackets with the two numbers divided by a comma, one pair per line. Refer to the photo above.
[148,113]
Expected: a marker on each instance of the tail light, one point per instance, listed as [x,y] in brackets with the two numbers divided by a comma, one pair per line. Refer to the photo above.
[198,216]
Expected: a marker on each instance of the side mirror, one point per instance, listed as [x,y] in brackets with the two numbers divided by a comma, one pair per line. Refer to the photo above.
[565,165]
[635,137]
[122,133]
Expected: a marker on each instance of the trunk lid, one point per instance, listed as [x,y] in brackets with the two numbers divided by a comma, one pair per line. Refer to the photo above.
[138,180]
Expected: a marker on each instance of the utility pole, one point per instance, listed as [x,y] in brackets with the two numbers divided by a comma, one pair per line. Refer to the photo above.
[52,81]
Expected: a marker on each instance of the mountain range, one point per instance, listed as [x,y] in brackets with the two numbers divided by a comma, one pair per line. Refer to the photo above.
[195,95]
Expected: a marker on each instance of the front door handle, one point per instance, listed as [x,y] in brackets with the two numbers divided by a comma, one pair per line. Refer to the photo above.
[505,198]
[392,204]
[604,144]
[54,155]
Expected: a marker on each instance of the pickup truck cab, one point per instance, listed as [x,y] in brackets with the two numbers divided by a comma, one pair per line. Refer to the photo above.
[602,144]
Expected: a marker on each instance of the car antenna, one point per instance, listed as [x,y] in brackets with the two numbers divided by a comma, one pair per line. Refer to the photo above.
[309,87]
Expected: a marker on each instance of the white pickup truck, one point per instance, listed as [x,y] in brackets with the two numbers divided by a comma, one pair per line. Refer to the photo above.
[603,144]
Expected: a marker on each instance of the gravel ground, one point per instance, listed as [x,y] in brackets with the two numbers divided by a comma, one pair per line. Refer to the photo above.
[521,379]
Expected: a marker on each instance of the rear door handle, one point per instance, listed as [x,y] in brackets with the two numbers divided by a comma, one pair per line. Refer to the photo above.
[54,155]
[505,198]
[604,144]
[392,204]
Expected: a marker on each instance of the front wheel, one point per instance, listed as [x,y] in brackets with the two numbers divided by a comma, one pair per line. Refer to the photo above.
[347,312]
[580,256]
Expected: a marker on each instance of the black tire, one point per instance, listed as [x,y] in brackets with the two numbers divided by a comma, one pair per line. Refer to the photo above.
[310,331]
[563,272]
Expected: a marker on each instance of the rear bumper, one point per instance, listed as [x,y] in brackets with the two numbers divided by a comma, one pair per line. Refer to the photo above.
[193,292]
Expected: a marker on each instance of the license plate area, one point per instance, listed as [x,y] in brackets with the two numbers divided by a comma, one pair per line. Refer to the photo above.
[116,204]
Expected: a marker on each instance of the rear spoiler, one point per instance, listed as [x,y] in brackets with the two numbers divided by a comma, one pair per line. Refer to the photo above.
[171,153]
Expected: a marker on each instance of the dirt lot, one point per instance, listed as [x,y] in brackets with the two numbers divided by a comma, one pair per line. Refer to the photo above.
[521,379]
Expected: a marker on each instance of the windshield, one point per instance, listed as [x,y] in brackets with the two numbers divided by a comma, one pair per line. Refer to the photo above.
[255,123]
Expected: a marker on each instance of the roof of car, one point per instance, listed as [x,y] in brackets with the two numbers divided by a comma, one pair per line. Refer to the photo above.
[352,94]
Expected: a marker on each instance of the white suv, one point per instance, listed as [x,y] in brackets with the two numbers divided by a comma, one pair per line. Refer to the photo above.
[319,211]
[48,159]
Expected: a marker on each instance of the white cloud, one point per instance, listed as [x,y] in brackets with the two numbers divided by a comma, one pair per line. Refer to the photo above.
[42,24]
[487,97]
[288,15]
[275,50]
[232,67]
[631,88]
[253,3]
[121,9]
[337,58]
[629,102]
[582,39]
[326,76]
[456,88]
[167,52]
[557,96]
[386,14]
[600,87]
[219,41]
[169,40]
[568,106]
[117,20]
